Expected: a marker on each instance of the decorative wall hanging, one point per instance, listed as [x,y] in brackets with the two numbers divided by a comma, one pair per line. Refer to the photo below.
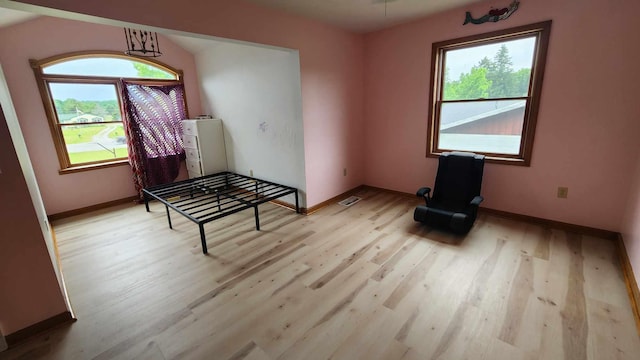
[142,43]
[494,15]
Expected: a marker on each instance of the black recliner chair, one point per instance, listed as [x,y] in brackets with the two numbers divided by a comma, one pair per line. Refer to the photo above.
[456,195]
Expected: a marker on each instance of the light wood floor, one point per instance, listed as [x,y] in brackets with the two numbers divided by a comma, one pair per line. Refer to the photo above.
[363,282]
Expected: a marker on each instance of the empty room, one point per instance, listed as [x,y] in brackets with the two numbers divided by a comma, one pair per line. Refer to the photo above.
[358,179]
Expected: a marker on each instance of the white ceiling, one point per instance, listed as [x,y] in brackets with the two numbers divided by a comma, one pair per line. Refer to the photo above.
[10,17]
[365,15]
[355,15]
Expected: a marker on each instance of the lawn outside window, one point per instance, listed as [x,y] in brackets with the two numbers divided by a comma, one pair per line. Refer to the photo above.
[485,93]
[82,99]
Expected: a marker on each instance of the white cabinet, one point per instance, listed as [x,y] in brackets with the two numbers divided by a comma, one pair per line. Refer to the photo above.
[204,147]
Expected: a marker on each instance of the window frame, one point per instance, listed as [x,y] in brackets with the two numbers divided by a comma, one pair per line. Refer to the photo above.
[43,81]
[541,31]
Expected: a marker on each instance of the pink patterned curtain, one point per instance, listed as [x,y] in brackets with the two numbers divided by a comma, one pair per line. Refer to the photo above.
[153,125]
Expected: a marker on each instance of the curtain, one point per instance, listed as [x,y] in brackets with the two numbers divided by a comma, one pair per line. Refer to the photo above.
[153,125]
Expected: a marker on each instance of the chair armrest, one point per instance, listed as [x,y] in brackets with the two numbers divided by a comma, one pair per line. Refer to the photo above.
[476,200]
[423,191]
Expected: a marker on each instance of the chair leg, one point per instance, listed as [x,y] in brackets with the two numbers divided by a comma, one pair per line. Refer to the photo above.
[420,214]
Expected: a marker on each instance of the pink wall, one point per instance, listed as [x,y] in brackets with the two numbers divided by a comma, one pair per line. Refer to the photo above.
[587,126]
[331,72]
[332,78]
[35,39]
[26,272]
[631,224]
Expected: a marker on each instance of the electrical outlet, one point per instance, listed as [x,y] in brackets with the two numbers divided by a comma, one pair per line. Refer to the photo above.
[251,173]
[344,172]
[563,192]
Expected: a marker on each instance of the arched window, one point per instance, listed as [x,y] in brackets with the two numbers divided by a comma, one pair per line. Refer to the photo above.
[82,99]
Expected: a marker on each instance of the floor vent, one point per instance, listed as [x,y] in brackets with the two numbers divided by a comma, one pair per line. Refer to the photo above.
[350,201]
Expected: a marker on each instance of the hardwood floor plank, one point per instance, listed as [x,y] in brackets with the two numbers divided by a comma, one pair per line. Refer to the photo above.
[294,279]
[389,265]
[341,305]
[239,278]
[416,275]
[600,262]
[370,340]
[574,314]
[394,215]
[610,336]
[282,247]
[452,332]
[518,299]
[542,246]
[358,282]
[327,255]
[147,333]
[150,352]
[401,336]
[384,201]
[339,322]
[344,264]
[244,352]
[387,250]
[480,281]
[299,331]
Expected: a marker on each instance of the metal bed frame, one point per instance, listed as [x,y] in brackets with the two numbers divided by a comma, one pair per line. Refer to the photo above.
[212,197]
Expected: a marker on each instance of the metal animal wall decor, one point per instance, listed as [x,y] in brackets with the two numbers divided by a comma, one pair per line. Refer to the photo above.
[494,15]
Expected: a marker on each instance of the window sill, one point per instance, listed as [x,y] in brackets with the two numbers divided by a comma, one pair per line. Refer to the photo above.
[492,159]
[79,168]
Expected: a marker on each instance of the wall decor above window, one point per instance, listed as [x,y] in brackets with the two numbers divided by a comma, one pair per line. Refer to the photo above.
[142,43]
[494,15]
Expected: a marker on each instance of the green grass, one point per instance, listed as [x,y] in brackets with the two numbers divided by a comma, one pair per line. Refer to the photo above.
[90,156]
[119,131]
[79,135]
[85,134]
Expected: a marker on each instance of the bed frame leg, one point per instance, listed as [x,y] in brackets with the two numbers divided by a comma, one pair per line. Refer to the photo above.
[146,201]
[255,211]
[169,217]
[297,206]
[203,240]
